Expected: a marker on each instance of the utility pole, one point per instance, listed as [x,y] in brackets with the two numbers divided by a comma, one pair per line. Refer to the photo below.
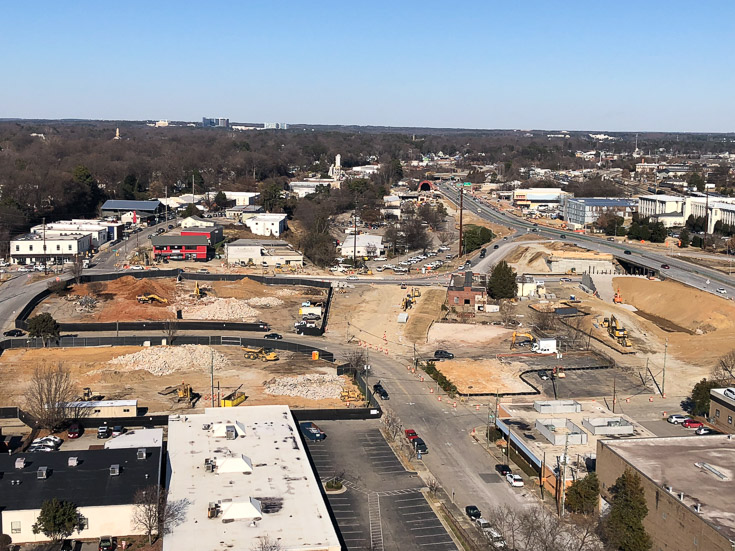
[45,261]
[461,206]
[706,216]
[615,397]
[564,477]
[663,376]
[354,239]
[166,204]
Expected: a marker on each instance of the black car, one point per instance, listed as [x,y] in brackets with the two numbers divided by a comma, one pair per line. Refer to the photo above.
[473,512]
[273,336]
[420,446]
[562,236]
[106,543]
[503,469]
[443,355]
[14,333]
[496,246]
[483,252]
[380,391]
[543,375]
[170,226]
[627,252]
[665,266]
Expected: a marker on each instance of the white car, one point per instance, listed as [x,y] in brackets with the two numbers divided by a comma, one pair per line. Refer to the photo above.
[514,480]
[136,267]
[676,419]
[351,277]
[381,258]
[379,268]
[722,290]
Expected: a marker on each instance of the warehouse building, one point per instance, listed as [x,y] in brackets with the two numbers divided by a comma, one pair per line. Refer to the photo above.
[136,212]
[688,487]
[247,476]
[538,198]
[101,483]
[722,408]
[103,408]
[262,252]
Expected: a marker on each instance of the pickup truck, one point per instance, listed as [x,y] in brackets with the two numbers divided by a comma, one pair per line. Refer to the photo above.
[311,431]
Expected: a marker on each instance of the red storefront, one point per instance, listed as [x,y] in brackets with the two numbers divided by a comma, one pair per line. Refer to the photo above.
[182,247]
[213,233]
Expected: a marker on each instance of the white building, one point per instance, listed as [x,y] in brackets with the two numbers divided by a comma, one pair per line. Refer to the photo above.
[31,248]
[533,198]
[583,211]
[246,475]
[243,212]
[362,245]
[261,252]
[242,197]
[674,210]
[267,224]
[198,222]
[101,483]
[98,232]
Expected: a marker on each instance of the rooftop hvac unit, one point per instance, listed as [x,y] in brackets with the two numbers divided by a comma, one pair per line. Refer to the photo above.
[206,426]
[142,453]
[42,473]
[114,470]
[209,467]
[212,509]
[231,433]
[20,463]
[73,461]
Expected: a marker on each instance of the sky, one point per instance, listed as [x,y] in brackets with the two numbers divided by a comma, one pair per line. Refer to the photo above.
[595,65]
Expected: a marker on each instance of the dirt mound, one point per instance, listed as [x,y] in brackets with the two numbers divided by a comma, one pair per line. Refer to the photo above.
[683,306]
[126,288]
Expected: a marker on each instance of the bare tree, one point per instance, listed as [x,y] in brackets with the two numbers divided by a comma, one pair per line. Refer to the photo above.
[154,513]
[544,319]
[49,395]
[724,370]
[265,543]
[392,424]
[356,359]
[77,268]
[506,312]
[433,485]
[170,329]
[445,237]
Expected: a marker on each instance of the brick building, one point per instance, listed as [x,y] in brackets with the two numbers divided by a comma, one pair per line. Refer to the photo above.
[687,486]
[467,289]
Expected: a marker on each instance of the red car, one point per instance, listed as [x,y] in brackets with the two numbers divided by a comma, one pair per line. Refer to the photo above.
[75,431]
[692,424]
[411,434]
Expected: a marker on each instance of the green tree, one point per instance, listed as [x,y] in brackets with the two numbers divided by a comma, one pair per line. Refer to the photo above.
[475,237]
[44,326]
[271,196]
[684,238]
[658,232]
[623,527]
[697,241]
[220,199]
[57,519]
[700,396]
[502,281]
[696,180]
[190,210]
[583,495]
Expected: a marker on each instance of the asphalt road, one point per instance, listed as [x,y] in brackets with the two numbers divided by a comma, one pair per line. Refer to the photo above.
[680,270]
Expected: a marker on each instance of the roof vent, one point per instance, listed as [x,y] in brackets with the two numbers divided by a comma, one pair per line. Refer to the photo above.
[42,473]
[206,426]
[142,453]
[20,463]
[114,470]
[231,433]
[681,496]
[73,461]
[698,508]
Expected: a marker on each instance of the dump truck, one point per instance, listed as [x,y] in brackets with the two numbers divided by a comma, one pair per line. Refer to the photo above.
[252,353]
[148,299]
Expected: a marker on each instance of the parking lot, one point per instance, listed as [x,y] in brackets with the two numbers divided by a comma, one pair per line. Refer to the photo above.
[588,383]
[383,506]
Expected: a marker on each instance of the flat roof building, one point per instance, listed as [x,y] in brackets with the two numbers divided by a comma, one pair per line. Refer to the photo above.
[247,476]
[585,211]
[688,484]
[722,408]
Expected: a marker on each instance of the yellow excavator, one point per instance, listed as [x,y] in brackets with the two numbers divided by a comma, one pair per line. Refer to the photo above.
[252,353]
[616,330]
[517,334]
[148,299]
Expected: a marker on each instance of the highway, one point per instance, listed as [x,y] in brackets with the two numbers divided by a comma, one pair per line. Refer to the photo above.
[680,270]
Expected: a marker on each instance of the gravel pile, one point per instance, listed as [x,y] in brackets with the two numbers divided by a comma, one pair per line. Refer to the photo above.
[268,302]
[312,387]
[220,309]
[164,360]
[286,292]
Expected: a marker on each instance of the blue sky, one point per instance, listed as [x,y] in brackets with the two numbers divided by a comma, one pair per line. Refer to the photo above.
[596,65]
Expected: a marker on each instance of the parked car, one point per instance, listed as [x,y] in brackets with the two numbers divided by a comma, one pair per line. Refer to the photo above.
[202,271]
[75,431]
[14,333]
[692,424]
[51,440]
[473,512]
[514,480]
[676,418]
[611,239]
[311,431]
[170,226]
[701,431]
[351,277]
[420,446]
[311,317]
[565,279]
[504,470]
[103,432]
[117,430]
[380,391]
[106,543]
[381,258]
[443,355]
[411,434]
[273,336]
[136,267]
[543,375]
[561,235]
[496,246]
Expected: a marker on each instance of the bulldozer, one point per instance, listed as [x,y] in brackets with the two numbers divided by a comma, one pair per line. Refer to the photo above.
[618,298]
[148,299]
[415,292]
[87,394]
[517,334]
[184,392]
[252,353]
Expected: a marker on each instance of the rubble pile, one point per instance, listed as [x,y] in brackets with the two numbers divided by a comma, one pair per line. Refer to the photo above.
[268,302]
[164,360]
[220,309]
[312,387]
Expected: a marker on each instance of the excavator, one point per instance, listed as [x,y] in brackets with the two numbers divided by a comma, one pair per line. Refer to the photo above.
[616,330]
[252,353]
[517,334]
[618,298]
[148,299]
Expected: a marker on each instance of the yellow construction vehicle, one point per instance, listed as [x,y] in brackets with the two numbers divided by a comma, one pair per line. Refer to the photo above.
[516,335]
[350,395]
[148,299]
[252,353]
[197,290]
[558,372]
[406,303]
[415,292]
[87,394]
[617,331]
[618,298]
[184,392]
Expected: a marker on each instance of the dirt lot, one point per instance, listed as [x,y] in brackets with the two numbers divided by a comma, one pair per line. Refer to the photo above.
[484,375]
[243,300]
[90,368]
